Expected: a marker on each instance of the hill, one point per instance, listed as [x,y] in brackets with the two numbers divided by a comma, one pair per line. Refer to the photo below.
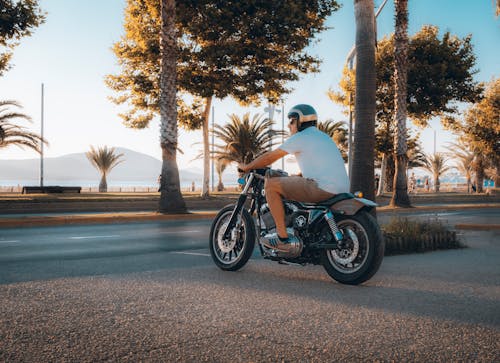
[75,168]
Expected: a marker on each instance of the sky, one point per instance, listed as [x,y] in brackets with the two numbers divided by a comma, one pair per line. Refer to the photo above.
[71,54]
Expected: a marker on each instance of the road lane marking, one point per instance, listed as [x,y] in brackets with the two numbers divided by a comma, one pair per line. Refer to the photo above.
[13,241]
[191,253]
[90,237]
[188,231]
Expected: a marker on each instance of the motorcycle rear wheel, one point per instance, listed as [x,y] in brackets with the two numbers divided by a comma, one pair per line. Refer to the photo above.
[233,253]
[364,252]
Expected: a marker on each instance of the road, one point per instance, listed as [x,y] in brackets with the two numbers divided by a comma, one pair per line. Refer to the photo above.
[149,291]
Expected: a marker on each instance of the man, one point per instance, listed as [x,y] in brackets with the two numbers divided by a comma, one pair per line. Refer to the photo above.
[320,163]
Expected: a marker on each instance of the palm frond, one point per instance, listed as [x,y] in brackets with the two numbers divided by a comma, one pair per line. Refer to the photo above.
[244,138]
[103,158]
[13,134]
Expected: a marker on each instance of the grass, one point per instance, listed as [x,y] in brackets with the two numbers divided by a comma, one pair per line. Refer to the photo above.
[403,235]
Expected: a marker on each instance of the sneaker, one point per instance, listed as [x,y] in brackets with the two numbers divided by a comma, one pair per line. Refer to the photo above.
[272,241]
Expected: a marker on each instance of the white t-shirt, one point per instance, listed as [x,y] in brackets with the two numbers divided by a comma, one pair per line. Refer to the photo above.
[319,159]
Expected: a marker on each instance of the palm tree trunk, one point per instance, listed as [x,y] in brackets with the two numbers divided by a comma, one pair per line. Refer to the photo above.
[103,184]
[171,200]
[383,171]
[437,183]
[220,185]
[400,196]
[479,177]
[206,149]
[363,168]
[497,176]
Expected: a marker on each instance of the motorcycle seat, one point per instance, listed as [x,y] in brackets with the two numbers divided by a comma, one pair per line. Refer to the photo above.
[330,201]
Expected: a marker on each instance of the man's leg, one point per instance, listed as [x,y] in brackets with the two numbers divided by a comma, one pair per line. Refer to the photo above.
[274,199]
[292,188]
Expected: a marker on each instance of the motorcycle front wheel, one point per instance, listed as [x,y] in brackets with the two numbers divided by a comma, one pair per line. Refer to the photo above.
[362,253]
[231,254]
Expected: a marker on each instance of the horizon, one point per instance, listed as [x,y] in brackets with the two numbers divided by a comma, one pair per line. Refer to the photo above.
[72,53]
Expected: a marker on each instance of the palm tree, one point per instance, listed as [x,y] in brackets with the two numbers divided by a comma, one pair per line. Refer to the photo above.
[436,164]
[104,160]
[171,200]
[363,170]
[220,166]
[464,159]
[338,132]
[243,139]
[479,165]
[400,196]
[13,134]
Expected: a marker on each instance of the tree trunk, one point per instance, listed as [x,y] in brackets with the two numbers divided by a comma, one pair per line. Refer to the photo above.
[479,179]
[363,168]
[437,184]
[389,173]
[171,200]
[497,176]
[400,196]
[103,184]
[383,171]
[205,189]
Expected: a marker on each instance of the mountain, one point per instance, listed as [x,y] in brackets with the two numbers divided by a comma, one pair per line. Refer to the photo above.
[136,167]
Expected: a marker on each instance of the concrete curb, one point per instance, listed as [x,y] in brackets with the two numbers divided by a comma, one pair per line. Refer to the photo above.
[477,227]
[104,218]
[137,217]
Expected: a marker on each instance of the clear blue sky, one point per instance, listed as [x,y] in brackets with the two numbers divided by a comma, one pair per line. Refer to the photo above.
[71,54]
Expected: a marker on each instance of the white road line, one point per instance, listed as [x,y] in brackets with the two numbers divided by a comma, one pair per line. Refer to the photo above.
[90,237]
[13,241]
[191,253]
[170,232]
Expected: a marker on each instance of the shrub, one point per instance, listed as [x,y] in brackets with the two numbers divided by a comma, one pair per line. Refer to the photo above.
[408,236]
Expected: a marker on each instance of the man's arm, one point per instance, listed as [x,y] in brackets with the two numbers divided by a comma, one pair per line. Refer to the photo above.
[265,159]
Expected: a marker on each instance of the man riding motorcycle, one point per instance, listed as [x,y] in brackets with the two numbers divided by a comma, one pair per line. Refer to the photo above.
[321,166]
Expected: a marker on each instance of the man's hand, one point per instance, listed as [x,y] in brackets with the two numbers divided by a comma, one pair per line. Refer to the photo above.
[243,168]
[263,160]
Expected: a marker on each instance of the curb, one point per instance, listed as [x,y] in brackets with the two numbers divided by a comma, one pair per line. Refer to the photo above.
[137,217]
[107,218]
[477,227]
[434,208]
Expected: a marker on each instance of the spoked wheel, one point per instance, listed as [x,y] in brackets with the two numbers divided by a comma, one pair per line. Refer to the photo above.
[361,253]
[232,253]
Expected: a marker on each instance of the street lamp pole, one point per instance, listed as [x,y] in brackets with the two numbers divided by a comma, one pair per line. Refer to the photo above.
[213,147]
[282,131]
[41,149]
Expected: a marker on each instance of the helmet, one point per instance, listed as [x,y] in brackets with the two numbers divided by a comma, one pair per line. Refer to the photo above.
[303,113]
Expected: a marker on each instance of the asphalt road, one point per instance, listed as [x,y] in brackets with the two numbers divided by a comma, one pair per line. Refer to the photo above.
[150,292]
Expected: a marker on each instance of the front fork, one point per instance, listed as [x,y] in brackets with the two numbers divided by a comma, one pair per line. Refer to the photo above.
[234,215]
[241,201]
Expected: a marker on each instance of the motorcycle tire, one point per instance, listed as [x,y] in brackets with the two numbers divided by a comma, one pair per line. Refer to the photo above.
[363,253]
[232,254]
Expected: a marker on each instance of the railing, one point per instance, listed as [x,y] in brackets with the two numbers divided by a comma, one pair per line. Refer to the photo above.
[113,189]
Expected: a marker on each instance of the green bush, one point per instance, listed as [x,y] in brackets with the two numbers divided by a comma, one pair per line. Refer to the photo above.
[408,236]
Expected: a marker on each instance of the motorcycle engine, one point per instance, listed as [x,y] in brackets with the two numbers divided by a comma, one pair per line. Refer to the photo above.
[294,218]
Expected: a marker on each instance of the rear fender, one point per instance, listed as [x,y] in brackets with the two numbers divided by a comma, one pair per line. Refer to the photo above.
[353,205]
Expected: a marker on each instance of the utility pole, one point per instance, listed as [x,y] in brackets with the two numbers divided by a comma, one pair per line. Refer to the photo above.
[213,147]
[41,149]
[283,131]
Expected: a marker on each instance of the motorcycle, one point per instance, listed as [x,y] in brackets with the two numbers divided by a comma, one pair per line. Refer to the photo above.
[338,233]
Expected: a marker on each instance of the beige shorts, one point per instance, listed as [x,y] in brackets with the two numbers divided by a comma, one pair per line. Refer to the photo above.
[299,189]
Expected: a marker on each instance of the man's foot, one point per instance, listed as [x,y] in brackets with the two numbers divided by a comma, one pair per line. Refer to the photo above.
[278,243]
